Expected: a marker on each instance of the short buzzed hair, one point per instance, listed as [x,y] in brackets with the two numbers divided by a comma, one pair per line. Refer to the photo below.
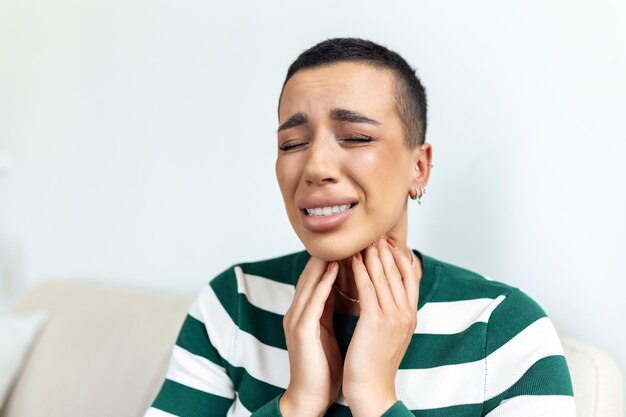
[410,94]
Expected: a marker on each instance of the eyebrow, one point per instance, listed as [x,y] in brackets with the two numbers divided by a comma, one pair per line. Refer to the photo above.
[342,115]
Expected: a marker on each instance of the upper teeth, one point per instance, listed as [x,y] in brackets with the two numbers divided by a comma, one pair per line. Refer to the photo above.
[325,211]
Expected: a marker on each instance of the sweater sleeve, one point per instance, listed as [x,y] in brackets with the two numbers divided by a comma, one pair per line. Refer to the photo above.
[197,382]
[526,373]
[398,410]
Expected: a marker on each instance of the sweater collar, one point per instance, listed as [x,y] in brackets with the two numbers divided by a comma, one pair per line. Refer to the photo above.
[427,282]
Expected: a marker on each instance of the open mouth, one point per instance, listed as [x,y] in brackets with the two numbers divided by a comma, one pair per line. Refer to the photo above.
[327,211]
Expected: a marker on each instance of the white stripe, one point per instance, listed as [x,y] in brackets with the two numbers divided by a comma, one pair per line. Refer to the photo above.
[452,317]
[508,364]
[265,293]
[209,310]
[447,317]
[155,412]
[237,409]
[441,386]
[200,373]
[536,405]
[263,362]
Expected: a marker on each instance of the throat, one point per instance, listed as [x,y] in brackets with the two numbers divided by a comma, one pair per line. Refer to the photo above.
[345,282]
[345,306]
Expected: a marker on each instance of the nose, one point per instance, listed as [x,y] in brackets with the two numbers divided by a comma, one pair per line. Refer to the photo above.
[322,163]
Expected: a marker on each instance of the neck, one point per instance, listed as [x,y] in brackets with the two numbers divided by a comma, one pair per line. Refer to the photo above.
[345,277]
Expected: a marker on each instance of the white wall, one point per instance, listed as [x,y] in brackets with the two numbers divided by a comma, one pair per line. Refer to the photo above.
[137,141]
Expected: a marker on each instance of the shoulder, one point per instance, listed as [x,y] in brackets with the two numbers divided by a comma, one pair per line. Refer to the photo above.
[265,283]
[281,269]
[455,283]
[258,286]
[515,323]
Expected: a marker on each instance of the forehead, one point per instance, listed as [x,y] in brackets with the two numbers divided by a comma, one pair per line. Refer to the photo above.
[351,85]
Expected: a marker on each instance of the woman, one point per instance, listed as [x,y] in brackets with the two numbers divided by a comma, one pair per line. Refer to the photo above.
[359,324]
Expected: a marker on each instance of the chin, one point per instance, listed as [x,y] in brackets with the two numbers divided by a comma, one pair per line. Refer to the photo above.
[332,248]
[341,243]
[328,254]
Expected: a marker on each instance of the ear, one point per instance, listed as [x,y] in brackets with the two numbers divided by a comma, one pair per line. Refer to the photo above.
[422,158]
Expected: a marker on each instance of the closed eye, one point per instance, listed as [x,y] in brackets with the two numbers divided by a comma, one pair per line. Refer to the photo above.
[353,139]
[358,139]
[288,147]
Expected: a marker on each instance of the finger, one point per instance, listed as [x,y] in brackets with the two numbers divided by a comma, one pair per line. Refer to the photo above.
[393,274]
[409,279]
[329,308]
[307,282]
[319,299]
[368,301]
[377,275]
[313,265]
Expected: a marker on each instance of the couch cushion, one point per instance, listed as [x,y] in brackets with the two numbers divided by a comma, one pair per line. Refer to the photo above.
[596,378]
[103,352]
[17,334]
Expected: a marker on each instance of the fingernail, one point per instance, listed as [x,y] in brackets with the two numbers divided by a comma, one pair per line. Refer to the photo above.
[331,265]
[392,243]
[358,256]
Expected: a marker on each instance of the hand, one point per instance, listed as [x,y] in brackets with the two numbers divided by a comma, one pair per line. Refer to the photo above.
[388,292]
[315,360]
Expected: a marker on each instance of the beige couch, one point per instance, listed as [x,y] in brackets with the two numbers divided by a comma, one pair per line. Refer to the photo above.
[104,352]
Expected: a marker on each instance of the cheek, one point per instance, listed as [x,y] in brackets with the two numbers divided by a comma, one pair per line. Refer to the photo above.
[382,182]
[376,173]
[287,178]
[282,174]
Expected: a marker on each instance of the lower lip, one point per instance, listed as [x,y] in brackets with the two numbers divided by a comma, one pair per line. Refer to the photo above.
[325,223]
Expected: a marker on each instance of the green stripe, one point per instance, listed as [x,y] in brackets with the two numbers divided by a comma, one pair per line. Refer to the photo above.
[193,337]
[225,287]
[431,350]
[516,312]
[457,284]
[464,410]
[183,401]
[285,269]
[428,281]
[270,409]
[262,324]
[253,393]
[547,376]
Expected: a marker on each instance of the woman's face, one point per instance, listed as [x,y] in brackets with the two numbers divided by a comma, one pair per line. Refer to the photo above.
[322,112]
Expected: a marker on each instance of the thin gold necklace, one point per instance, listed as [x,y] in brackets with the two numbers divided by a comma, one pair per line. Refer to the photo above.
[355,300]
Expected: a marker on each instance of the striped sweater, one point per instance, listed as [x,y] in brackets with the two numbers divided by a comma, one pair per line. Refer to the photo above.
[480,348]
